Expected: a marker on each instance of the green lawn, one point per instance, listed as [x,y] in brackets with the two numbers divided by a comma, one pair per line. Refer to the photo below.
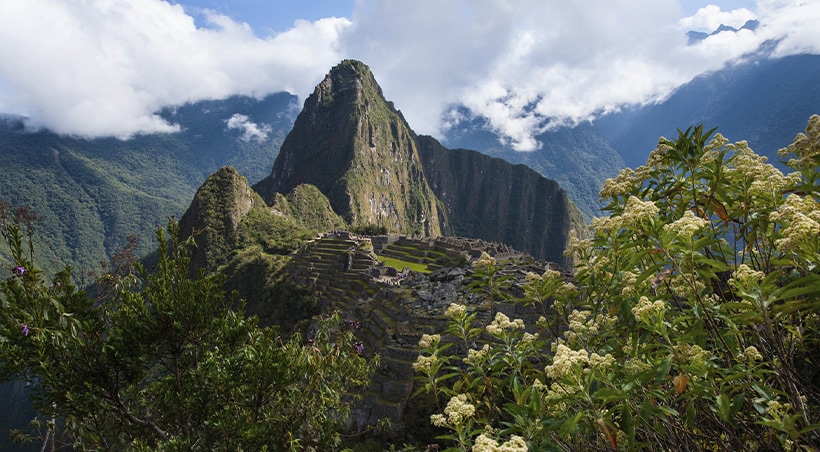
[399,264]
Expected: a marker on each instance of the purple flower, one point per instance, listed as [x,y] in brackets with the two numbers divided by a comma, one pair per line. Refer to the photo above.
[19,270]
[25,330]
[359,347]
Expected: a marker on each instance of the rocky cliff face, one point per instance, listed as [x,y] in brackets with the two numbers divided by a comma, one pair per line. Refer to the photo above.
[359,151]
[493,200]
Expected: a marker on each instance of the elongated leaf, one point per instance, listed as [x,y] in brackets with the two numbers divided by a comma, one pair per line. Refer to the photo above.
[570,424]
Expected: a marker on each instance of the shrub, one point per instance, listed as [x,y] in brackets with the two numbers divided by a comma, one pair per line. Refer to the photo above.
[163,362]
[691,322]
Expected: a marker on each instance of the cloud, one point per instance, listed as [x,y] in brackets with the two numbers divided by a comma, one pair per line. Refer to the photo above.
[250,130]
[526,68]
[537,65]
[793,23]
[104,67]
[710,17]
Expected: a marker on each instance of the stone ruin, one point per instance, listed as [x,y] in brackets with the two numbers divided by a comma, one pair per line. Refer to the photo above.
[396,306]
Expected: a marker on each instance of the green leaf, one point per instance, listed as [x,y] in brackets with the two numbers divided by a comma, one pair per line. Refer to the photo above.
[569,424]
[737,404]
[663,370]
[723,406]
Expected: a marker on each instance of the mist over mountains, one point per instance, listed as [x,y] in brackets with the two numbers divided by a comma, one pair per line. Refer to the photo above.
[762,100]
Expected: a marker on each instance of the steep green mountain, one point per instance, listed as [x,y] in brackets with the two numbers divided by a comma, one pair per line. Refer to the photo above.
[358,150]
[307,205]
[215,215]
[92,193]
[579,159]
[227,216]
[490,198]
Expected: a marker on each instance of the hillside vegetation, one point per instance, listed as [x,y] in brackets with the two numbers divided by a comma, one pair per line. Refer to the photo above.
[93,193]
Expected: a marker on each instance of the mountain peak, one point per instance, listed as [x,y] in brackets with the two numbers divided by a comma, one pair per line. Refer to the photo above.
[347,76]
[354,146]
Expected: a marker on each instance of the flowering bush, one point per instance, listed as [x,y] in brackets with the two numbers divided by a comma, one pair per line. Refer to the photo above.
[691,322]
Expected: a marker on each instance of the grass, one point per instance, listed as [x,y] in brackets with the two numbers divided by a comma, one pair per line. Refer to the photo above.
[399,264]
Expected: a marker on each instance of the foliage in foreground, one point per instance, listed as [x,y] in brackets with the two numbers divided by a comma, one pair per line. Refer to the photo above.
[163,362]
[691,323]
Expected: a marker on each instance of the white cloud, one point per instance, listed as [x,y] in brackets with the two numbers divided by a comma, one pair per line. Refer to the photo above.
[710,17]
[794,23]
[104,67]
[525,68]
[250,130]
[533,65]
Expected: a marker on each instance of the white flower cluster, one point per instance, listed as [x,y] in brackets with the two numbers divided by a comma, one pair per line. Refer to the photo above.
[636,211]
[685,353]
[484,261]
[576,246]
[455,310]
[429,341]
[687,285]
[424,363]
[629,282]
[623,184]
[564,361]
[747,163]
[744,275]
[636,365]
[547,275]
[583,325]
[806,146]
[774,184]
[646,310]
[601,362]
[567,289]
[686,226]
[802,219]
[502,323]
[485,443]
[750,355]
[477,356]
[456,411]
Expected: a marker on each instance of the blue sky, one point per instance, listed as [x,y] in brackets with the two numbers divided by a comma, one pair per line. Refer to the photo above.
[272,16]
[105,67]
[267,17]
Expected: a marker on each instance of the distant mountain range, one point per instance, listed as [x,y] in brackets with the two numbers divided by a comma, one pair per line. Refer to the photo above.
[696,36]
[765,101]
[93,193]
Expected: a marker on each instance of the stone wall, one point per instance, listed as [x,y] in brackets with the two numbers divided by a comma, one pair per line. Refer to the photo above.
[396,307]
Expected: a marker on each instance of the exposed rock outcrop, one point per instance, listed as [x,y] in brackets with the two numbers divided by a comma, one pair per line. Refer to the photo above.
[358,150]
